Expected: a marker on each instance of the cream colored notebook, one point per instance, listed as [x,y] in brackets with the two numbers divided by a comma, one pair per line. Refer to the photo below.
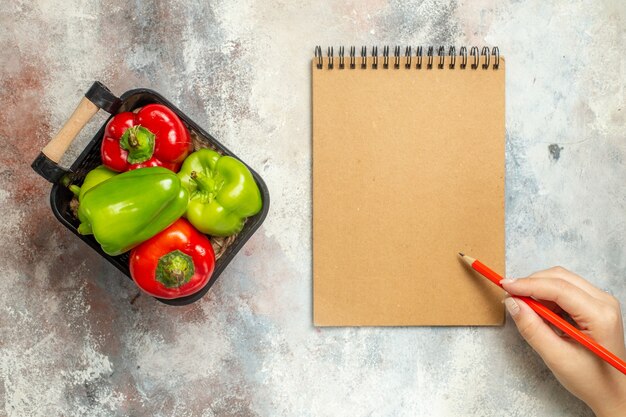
[408,170]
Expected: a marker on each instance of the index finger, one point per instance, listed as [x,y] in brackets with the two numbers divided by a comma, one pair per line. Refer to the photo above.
[572,278]
[575,301]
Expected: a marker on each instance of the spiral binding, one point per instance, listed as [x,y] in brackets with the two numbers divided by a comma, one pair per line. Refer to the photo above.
[476,56]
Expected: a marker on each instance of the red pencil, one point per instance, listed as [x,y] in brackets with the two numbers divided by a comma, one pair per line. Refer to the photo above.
[552,317]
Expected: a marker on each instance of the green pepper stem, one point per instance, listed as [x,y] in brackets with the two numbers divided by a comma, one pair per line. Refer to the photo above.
[66,180]
[174,269]
[206,184]
[74,189]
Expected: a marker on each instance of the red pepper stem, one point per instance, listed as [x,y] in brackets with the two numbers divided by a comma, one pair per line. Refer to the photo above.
[132,138]
[174,269]
[139,142]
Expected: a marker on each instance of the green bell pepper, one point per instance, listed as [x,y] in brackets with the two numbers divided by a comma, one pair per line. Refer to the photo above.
[131,207]
[222,192]
[93,178]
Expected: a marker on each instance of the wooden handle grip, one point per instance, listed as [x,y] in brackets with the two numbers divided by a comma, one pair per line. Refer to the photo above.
[59,144]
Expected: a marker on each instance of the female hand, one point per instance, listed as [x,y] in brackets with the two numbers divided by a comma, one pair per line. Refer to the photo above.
[596,313]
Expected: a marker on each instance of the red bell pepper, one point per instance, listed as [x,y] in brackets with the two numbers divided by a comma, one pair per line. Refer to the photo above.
[154,136]
[175,263]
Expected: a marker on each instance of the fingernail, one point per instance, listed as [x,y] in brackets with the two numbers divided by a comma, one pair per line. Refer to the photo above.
[507,281]
[511,306]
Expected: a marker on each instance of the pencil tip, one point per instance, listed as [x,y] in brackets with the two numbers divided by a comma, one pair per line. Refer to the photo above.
[461,254]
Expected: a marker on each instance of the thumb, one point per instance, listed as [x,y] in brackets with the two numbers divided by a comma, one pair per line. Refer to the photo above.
[534,330]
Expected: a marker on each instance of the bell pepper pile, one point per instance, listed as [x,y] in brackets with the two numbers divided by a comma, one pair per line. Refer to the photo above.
[162,202]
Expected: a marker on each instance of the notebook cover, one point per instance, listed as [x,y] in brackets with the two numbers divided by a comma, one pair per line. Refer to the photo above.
[408,170]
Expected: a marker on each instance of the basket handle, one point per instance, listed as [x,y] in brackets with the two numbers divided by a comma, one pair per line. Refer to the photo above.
[97,97]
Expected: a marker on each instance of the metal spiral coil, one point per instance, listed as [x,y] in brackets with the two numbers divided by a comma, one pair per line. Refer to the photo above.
[429,54]
[477,58]
[341,57]
[407,55]
[386,57]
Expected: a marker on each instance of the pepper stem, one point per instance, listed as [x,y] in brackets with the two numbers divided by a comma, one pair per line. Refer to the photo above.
[132,140]
[174,269]
[139,142]
[207,185]
[75,189]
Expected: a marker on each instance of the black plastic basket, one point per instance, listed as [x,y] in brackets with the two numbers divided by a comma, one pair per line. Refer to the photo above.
[99,97]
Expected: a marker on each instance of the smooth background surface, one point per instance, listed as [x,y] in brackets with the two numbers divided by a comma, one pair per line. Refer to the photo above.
[71,342]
